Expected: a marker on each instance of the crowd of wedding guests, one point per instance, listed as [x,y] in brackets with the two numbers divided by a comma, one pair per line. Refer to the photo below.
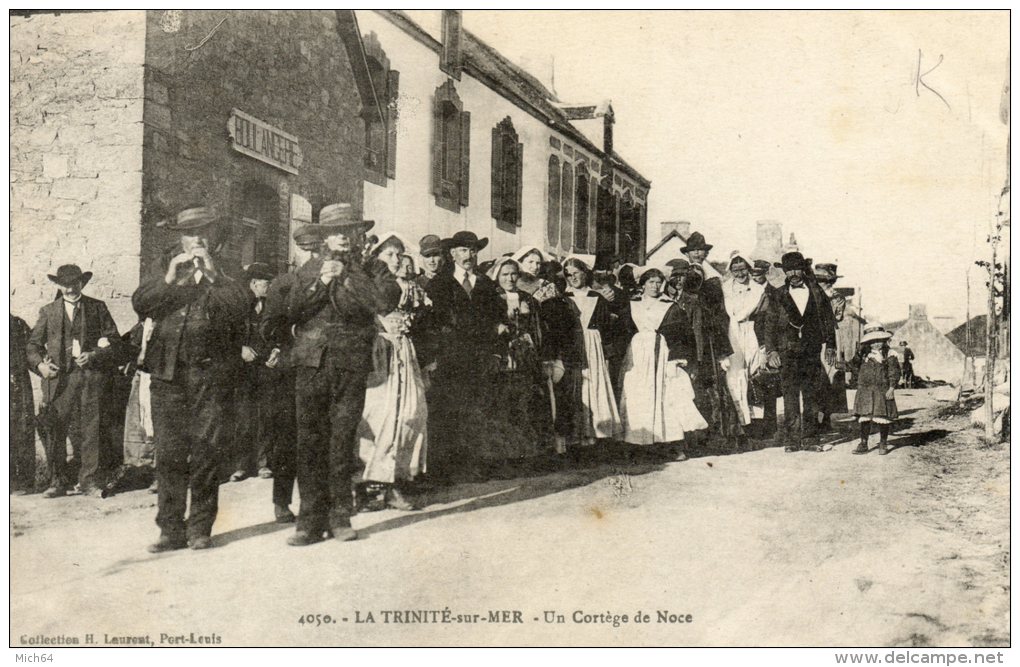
[381,366]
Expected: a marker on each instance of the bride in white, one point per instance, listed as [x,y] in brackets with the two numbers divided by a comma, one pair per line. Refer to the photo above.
[657,403]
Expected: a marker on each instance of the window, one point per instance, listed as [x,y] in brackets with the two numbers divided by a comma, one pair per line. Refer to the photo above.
[567,208]
[507,173]
[256,230]
[451,149]
[581,209]
[593,199]
[381,138]
[553,208]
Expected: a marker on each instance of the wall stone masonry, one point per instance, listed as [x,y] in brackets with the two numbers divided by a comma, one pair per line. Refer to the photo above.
[76,155]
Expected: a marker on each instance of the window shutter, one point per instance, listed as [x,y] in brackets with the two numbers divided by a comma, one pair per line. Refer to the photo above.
[392,94]
[520,183]
[437,148]
[497,181]
[465,156]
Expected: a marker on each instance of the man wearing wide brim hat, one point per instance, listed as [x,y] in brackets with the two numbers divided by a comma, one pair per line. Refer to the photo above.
[832,385]
[466,311]
[199,316]
[332,308]
[278,339]
[799,326]
[73,348]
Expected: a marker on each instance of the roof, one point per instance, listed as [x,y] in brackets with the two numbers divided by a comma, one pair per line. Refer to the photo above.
[513,82]
[977,336]
[673,234]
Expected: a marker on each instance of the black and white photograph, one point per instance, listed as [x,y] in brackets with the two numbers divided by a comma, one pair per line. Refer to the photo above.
[481,328]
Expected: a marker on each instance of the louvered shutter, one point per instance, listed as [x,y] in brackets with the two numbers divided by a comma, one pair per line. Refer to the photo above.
[392,94]
[497,172]
[520,184]
[465,157]
[437,148]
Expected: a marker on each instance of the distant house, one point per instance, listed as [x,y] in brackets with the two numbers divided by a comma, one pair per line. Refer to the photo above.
[674,238]
[935,355]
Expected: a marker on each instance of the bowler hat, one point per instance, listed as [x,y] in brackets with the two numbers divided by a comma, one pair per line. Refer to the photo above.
[466,239]
[340,218]
[258,271]
[792,261]
[874,332]
[194,218]
[696,241]
[760,266]
[68,274]
[429,245]
[903,343]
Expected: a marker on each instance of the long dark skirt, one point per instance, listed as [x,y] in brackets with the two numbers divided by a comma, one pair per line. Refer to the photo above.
[519,423]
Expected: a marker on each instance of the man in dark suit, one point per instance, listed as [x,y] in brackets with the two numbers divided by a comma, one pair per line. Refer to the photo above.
[257,395]
[72,347]
[194,359]
[797,326]
[22,411]
[767,385]
[278,339]
[467,310]
[333,304]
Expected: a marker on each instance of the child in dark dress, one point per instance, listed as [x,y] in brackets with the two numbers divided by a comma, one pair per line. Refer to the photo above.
[878,373]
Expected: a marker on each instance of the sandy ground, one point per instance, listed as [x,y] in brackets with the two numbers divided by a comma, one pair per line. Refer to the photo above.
[760,549]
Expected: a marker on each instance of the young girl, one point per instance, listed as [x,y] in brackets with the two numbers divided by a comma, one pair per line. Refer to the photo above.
[877,375]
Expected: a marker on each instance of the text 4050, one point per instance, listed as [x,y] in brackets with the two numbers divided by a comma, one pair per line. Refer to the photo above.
[316,619]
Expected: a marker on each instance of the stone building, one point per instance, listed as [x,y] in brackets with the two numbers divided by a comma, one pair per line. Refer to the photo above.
[121,118]
[473,141]
[936,357]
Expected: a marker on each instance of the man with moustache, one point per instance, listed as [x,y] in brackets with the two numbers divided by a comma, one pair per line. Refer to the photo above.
[467,310]
[797,327]
[333,306]
[194,359]
[72,348]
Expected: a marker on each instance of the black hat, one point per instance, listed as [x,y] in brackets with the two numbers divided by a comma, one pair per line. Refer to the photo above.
[429,245]
[193,219]
[69,273]
[465,240]
[308,234]
[258,271]
[792,261]
[760,266]
[696,241]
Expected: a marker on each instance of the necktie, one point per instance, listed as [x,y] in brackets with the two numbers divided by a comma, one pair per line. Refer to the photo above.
[258,306]
[466,283]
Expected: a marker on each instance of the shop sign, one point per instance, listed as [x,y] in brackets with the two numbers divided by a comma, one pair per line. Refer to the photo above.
[262,141]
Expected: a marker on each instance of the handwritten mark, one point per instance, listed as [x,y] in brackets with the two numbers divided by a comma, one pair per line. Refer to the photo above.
[919,80]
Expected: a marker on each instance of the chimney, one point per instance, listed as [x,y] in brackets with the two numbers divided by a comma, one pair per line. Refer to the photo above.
[682,227]
[768,241]
[918,311]
[451,58]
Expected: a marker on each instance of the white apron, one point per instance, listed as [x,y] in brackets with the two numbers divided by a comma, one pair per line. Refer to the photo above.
[657,403]
[596,389]
[741,300]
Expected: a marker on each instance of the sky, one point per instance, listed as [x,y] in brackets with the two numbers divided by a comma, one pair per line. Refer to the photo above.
[812,119]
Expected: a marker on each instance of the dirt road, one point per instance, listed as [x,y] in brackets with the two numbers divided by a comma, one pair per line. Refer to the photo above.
[759,549]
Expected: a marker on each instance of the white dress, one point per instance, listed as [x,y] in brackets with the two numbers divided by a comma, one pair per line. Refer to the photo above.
[657,403]
[596,388]
[393,434]
[741,300]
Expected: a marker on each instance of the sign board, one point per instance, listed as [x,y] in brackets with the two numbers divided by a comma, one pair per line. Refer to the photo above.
[262,141]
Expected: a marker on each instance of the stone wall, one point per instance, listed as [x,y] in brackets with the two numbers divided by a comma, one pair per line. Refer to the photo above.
[287,68]
[76,154]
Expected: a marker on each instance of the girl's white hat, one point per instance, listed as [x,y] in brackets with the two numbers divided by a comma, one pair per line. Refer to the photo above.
[409,248]
[874,332]
[587,260]
[525,251]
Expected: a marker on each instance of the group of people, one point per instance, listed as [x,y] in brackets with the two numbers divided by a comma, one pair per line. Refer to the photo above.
[380,365]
